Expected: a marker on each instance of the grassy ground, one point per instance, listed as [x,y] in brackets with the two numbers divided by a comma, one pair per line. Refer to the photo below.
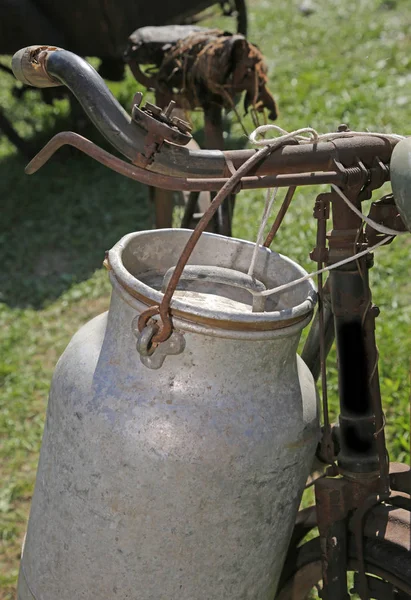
[347,62]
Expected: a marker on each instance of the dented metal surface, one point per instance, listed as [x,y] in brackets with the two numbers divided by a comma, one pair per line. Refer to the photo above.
[355,497]
[168,483]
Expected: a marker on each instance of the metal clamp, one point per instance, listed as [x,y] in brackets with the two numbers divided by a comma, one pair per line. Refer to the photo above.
[153,355]
[160,126]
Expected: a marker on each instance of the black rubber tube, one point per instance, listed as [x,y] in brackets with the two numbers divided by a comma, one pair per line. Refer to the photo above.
[102,108]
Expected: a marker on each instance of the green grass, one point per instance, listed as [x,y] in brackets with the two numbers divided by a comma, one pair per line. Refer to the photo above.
[348,62]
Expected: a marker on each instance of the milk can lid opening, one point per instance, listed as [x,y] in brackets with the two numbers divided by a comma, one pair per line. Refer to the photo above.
[215,287]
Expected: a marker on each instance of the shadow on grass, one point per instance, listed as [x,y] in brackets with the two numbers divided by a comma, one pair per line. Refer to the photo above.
[56,224]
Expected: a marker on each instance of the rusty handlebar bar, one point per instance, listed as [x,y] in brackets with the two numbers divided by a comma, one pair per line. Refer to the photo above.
[164,164]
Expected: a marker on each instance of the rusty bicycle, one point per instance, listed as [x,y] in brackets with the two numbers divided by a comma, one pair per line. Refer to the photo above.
[362,501]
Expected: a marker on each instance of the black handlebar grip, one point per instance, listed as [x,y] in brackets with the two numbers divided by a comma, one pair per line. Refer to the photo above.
[29,66]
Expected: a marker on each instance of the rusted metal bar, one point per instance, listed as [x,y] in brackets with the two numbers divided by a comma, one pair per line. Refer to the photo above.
[280,216]
[311,350]
[360,400]
[358,451]
[320,255]
[393,526]
[298,179]
[319,156]
[182,183]
[336,499]
[362,454]
[332,526]
[129,138]
[165,326]
[400,478]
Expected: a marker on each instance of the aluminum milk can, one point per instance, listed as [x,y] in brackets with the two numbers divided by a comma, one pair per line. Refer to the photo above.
[176,474]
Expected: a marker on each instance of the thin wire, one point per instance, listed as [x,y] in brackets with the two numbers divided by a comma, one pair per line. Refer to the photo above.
[290,284]
[313,135]
[254,119]
[370,222]
[266,214]
[237,114]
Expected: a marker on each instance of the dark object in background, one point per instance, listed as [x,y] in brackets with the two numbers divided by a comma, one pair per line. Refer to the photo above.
[198,67]
[97,28]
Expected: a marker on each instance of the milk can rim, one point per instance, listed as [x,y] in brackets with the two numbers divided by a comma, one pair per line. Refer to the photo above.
[257,321]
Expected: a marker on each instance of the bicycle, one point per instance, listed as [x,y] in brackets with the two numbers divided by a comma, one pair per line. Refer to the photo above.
[362,507]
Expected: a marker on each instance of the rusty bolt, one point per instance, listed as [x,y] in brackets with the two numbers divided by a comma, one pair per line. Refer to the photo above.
[181,125]
[155,110]
[169,109]
[138,96]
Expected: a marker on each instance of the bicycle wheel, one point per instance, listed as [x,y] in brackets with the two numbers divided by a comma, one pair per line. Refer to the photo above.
[388,569]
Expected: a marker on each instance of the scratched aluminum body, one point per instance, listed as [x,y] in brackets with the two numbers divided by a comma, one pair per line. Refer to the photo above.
[182,482]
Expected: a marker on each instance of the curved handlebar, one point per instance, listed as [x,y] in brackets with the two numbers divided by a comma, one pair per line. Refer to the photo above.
[41,66]
[44,66]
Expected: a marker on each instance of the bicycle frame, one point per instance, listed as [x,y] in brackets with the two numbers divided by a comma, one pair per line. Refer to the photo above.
[358,478]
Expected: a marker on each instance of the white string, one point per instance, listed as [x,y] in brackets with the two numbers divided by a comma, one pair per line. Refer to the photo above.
[290,284]
[266,214]
[371,223]
[313,135]
[286,135]
[279,141]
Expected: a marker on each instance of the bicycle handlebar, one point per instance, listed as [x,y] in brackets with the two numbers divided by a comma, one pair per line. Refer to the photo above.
[44,66]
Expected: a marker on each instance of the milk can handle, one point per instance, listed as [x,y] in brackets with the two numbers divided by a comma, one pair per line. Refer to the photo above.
[223,276]
[166,326]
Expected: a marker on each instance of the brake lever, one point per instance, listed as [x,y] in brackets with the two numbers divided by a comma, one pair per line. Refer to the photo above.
[160,126]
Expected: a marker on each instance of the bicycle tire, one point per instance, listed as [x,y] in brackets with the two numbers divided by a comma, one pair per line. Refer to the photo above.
[387,561]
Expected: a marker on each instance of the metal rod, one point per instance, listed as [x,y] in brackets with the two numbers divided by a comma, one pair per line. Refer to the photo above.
[311,350]
[359,394]
[169,182]
[280,216]
[163,309]
[332,526]
[129,138]
[190,209]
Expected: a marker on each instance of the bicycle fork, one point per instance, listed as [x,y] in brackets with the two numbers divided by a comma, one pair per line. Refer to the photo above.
[359,479]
